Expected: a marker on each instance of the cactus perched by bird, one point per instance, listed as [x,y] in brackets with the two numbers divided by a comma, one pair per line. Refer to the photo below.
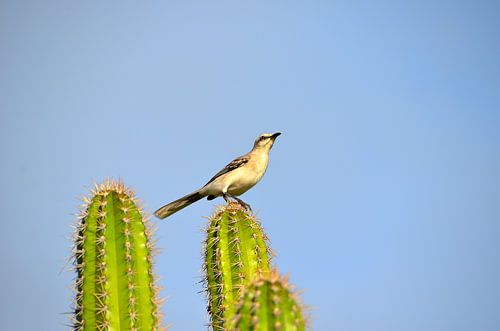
[269,304]
[235,253]
[115,285]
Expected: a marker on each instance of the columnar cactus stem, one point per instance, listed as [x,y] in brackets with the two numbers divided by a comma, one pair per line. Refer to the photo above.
[235,254]
[268,305]
[113,258]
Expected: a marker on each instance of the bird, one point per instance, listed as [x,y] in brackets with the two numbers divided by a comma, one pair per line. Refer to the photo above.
[233,180]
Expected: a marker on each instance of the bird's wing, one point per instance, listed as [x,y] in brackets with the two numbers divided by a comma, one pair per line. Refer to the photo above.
[235,164]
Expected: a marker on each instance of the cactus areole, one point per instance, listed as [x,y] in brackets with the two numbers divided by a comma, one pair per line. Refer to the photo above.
[113,257]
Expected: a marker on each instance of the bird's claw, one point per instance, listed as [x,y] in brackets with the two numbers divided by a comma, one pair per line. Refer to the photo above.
[243,204]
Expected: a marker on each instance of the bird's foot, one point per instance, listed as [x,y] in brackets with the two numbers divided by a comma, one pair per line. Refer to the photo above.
[243,204]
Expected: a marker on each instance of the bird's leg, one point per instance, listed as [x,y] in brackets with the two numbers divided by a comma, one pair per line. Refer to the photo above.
[226,197]
[243,203]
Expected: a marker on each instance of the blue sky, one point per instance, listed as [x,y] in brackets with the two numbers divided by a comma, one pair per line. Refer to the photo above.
[382,195]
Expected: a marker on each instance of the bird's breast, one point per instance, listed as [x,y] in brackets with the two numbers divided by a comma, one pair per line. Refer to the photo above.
[245,180]
[246,177]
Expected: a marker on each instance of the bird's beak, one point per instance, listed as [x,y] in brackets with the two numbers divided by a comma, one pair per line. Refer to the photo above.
[276,135]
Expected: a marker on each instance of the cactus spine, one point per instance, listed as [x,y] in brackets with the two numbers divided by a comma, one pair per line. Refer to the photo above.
[269,304]
[113,257]
[235,254]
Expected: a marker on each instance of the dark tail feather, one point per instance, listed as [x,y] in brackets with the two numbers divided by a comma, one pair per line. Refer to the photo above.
[178,204]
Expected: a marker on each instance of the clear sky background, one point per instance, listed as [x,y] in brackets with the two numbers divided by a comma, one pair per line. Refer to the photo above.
[382,198]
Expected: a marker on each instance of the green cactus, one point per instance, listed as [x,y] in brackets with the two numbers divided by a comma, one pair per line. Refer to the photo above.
[115,285]
[235,253]
[269,304]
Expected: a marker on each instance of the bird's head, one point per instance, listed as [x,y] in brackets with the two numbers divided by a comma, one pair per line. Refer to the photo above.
[266,140]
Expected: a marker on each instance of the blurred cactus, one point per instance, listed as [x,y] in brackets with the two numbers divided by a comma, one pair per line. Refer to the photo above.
[269,304]
[235,254]
[113,257]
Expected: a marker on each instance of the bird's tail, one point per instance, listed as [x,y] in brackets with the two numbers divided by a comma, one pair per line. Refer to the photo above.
[178,204]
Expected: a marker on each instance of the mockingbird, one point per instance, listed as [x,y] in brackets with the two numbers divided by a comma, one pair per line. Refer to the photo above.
[234,179]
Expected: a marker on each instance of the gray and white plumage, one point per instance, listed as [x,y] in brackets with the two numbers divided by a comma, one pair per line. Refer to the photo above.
[233,180]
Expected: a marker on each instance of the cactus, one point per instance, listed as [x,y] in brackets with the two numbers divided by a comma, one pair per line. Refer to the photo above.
[115,285]
[269,304]
[235,253]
